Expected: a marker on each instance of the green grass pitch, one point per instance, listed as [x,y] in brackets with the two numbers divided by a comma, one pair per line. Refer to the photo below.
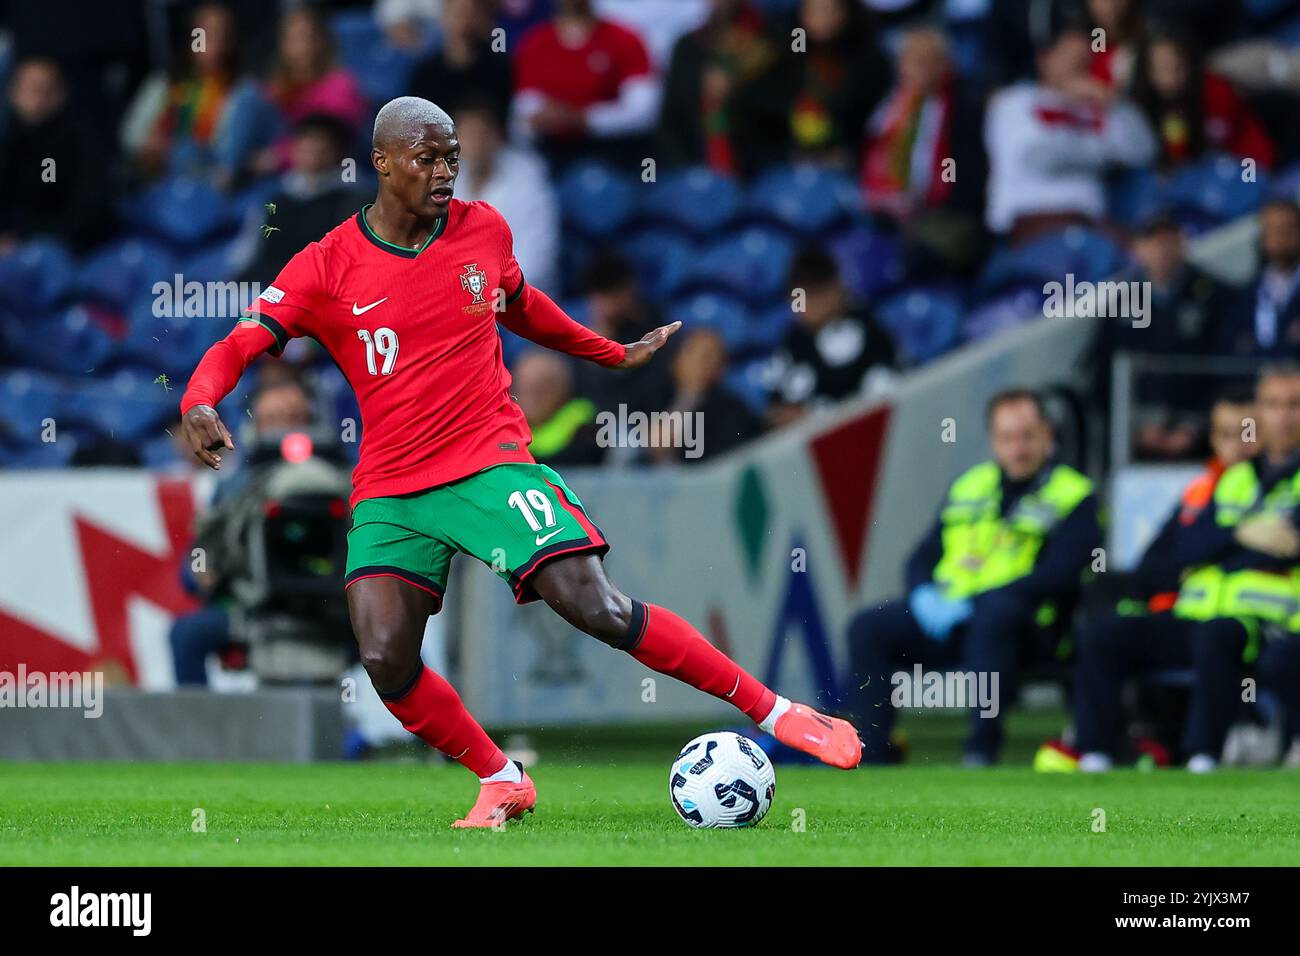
[618,813]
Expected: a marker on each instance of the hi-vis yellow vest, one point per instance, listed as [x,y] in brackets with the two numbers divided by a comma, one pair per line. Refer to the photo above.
[1250,596]
[983,550]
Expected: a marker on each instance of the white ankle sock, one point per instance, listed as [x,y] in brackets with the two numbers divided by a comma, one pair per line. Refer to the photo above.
[768,723]
[510,773]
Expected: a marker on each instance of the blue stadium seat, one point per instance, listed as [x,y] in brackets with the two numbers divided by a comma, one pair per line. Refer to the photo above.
[1074,249]
[126,406]
[355,31]
[697,200]
[662,258]
[27,398]
[160,451]
[871,262]
[512,346]
[1133,195]
[209,264]
[118,272]
[1214,188]
[966,11]
[808,200]
[577,309]
[38,274]
[182,211]
[749,381]
[381,69]
[924,322]
[67,341]
[1286,182]
[1261,10]
[55,454]
[1288,33]
[967,34]
[1008,311]
[725,314]
[767,328]
[752,263]
[170,345]
[575,255]
[596,200]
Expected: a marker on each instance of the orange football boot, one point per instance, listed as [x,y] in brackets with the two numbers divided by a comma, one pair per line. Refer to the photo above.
[499,802]
[829,739]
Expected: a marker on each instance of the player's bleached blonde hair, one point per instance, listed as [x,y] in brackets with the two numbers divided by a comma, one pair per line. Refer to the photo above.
[402,120]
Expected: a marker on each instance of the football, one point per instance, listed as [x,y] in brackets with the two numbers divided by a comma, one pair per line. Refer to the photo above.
[722,780]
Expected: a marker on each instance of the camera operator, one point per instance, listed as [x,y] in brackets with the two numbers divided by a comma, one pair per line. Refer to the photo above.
[278,406]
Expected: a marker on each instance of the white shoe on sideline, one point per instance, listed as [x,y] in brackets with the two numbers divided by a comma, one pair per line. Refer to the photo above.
[1202,763]
[1095,763]
[1292,759]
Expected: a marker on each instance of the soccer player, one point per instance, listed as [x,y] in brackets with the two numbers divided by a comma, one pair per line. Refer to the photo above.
[405,296]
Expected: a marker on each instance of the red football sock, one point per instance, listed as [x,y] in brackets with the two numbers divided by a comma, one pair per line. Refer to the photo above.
[661,640]
[432,710]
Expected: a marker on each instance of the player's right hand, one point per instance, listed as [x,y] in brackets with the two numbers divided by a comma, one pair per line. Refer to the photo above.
[638,353]
[207,434]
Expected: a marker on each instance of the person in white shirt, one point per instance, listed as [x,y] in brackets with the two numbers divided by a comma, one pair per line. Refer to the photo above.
[1050,142]
[514,180]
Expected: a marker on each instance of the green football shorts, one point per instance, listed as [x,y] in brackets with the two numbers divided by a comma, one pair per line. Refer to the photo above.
[512,517]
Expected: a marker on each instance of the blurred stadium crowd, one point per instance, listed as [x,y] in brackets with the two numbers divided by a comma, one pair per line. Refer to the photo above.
[919,168]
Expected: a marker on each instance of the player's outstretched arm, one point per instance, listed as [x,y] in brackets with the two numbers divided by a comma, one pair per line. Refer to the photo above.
[534,316]
[638,353]
[214,378]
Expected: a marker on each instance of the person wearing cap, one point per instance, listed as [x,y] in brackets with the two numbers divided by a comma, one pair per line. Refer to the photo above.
[1185,309]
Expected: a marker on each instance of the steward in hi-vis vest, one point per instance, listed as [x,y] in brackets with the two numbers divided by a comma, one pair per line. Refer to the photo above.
[1008,552]
[1262,591]
[1154,585]
[1237,605]
[986,545]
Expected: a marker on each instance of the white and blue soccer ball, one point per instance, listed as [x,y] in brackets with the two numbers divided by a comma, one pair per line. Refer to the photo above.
[722,780]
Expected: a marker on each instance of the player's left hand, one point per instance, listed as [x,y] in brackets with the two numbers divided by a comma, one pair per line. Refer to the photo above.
[638,353]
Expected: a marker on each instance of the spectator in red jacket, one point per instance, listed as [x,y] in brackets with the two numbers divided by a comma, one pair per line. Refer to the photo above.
[581,83]
[1192,110]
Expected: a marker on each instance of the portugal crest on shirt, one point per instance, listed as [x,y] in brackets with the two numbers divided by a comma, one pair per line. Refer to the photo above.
[474,281]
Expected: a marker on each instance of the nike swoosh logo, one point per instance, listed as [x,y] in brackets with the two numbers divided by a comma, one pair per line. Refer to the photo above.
[734,689]
[542,539]
[356,311]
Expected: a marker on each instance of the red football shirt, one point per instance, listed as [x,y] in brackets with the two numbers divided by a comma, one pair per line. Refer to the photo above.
[414,332]
[585,75]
